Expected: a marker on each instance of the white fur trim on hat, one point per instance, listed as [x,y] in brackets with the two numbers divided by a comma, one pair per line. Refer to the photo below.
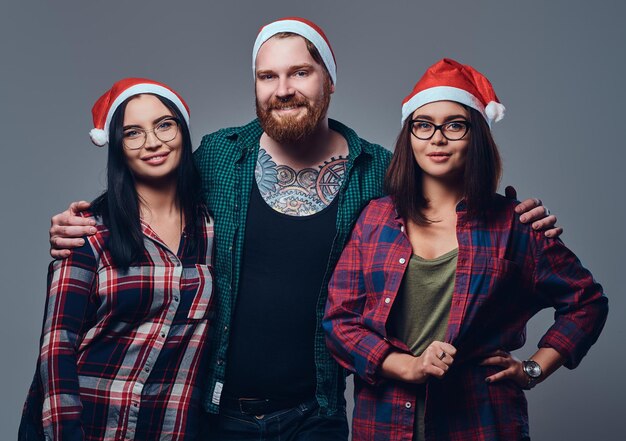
[138,89]
[99,137]
[443,93]
[495,111]
[302,29]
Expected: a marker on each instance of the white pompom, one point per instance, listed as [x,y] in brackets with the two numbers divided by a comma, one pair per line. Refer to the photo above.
[495,111]
[99,137]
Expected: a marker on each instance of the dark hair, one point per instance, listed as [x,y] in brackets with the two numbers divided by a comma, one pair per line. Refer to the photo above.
[119,204]
[483,168]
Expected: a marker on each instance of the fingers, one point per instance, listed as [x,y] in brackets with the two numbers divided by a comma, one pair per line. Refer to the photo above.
[79,206]
[59,254]
[512,367]
[509,373]
[545,223]
[540,217]
[67,230]
[534,214]
[61,243]
[437,359]
[70,232]
[510,192]
[68,218]
[554,232]
[527,205]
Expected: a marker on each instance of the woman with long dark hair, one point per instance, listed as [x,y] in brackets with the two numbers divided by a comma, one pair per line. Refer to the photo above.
[438,281]
[127,313]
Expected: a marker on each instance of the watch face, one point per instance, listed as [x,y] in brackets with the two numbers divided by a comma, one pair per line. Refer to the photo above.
[532,369]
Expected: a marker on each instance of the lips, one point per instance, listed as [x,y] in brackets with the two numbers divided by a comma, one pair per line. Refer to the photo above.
[289,108]
[439,157]
[156,158]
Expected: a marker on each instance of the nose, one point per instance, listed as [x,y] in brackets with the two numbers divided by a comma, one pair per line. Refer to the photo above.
[152,141]
[438,138]
[284,88]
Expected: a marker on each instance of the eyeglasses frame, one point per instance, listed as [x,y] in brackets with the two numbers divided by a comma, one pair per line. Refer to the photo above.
[145,132]
[439,127]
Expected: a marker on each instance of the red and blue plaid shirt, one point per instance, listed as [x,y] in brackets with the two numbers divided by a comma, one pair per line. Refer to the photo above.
[121,350]
[506,273]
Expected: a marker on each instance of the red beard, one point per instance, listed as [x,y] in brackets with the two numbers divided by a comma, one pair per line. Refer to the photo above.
[292,129]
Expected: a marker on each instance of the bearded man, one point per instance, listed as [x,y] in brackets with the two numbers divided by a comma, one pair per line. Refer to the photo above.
[285,191]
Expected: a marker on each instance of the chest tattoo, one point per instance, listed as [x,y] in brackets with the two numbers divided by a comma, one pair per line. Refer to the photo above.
[298,193]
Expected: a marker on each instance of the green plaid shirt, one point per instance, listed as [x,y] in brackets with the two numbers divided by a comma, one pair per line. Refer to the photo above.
[227,160]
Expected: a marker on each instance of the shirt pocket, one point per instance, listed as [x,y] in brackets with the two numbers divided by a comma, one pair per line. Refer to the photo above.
[200,305]
[493,278]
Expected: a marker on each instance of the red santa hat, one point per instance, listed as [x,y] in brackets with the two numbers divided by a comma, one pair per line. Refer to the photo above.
[106,105]
[304,28]
[449,80]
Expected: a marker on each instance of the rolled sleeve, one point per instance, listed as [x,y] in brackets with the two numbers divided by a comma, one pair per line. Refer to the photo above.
[580,305]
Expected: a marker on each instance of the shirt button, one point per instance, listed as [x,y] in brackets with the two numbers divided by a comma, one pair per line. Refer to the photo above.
[402,260]
[162,334]
[147,369]
[176,298]
[225,328]
[220,362]
[408,404]
[402,228]
[387,300]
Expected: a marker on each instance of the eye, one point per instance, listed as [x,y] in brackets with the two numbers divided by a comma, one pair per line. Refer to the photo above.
[422,126]
[455,126]
[131,134]
[166,124]
[301,73]
[265,77]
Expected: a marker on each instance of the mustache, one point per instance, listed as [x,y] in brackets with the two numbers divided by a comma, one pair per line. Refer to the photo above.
[279,104]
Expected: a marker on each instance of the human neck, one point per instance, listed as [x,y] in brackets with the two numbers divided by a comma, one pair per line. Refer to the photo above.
[442,196]
[157,200]
[315,148]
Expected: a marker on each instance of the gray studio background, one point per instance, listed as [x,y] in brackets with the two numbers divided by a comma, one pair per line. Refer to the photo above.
[557,66]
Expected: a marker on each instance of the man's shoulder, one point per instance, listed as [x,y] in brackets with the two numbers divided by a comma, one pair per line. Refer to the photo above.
[377,150]
[230,136]
[373,149]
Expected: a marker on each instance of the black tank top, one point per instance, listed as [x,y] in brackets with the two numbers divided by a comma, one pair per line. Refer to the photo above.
[271,348]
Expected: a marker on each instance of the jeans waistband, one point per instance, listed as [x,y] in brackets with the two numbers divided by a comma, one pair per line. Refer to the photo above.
[258,406]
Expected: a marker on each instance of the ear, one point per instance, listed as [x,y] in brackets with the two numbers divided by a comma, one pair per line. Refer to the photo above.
[332,88]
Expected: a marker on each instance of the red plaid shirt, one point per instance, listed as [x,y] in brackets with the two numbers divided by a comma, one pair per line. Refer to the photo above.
[121,350]
[506,273]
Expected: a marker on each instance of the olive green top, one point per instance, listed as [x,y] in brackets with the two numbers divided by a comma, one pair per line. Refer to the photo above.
[420,312]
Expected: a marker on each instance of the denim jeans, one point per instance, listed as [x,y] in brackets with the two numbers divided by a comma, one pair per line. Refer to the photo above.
[300,423]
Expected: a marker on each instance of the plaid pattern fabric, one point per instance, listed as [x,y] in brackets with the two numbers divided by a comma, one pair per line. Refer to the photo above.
[506,273]
[121,350]
[227,159]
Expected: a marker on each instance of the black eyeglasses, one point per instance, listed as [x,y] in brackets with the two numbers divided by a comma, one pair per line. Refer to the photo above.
[165,130]
[452,131]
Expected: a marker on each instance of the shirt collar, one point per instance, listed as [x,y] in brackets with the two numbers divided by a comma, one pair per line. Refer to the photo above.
[250,134]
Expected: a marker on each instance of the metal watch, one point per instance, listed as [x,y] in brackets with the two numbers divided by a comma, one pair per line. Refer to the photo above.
[533,372]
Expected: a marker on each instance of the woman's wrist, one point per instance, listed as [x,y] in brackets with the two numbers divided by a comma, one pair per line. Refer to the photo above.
[399,366]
